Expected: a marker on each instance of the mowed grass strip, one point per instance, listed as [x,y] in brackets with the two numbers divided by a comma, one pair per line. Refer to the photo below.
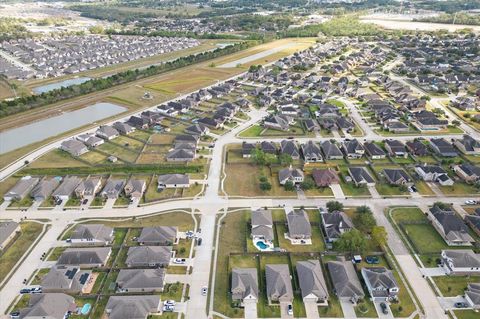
[20,245]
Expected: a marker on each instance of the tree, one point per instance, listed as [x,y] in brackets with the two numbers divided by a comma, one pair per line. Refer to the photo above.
[364,222]
[352,241]
[289,186]
[307,184]
[258,156]
[455,122]
[334,205]
[265,184]
[270,159]
[363,210]
[379,235]
[285,159]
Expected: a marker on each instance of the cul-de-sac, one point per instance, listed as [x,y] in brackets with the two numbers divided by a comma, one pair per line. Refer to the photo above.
[197,159]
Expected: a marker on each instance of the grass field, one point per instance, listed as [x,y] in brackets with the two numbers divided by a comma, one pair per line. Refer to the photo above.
[56,158]
[15,251]
[452,286]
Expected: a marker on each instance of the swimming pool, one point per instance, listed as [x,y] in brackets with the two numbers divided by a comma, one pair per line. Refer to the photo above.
[261,245]
[85,309]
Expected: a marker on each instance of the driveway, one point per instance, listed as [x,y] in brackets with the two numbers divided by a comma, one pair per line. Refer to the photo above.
[449,302]
[337,191]
[283,310]
[348,309]
[311,309]
[433,272]
[250,309]
[373,191]
[381,315]
[109,203]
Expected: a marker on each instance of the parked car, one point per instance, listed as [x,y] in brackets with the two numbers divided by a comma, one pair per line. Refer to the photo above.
[84,201]
[204,291]
[15,314]
[460,305]
[372,260]
[179,261]
[169,303]
[470,202]
[199,241]
[384,308]
[290,310]
[168,308]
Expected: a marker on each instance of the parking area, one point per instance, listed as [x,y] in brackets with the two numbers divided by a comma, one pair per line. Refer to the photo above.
[311,309]
[250,309]
[284,310]
[380,312]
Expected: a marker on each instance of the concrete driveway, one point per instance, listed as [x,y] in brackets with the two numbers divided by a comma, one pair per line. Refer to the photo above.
[449,302]
[433,272]
[337,191]
[284,310]
[250,309]
[373,191]
[348,309]
[311,309]
[381,315]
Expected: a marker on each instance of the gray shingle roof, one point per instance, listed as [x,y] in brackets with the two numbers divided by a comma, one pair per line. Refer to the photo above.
[148,255]
[244,283]
[159,235]
[98,232]
[84,256]
[298,223]
[68,278]
[51,306]
[279,285]
[310,277]
[141,278]
[132,307]
[345,279]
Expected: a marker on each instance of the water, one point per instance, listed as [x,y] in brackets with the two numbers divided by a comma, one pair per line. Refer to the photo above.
[261,245]
[57,85]
[38,131]
[85,309]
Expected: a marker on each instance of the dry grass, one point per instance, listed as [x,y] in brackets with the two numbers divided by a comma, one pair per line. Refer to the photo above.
[56,158]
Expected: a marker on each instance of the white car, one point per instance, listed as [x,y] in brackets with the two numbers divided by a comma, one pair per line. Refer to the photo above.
[169,303]
[204,291]
[290,310]
[470,202]
[179,261]
[168,308]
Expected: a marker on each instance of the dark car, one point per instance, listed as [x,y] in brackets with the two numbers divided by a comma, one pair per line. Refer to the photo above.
[372,260]
[84,201]
[460,305]
[384,308]
[199,241]
[25,291]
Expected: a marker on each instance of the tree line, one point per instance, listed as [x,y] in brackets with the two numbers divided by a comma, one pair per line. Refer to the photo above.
[33,101]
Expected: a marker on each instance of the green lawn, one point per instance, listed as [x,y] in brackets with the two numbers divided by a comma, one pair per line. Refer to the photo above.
[252,131]
[466,314]
[20,244]
[452,286]
[349,189]
[365,309]
[316,246]
[389,190]
[425,238]
[459,189]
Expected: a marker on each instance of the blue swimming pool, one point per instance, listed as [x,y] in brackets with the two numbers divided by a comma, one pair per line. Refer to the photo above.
[261,245]
[85,309]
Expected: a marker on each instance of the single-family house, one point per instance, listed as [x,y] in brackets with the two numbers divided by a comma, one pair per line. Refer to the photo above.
[91,235]
[158,236]
[279,285]
[244,285]
[132,307]
[353,149]
[331,151]
[262,225]
[66,279]
[88,188]
[460,262]
[395,148]
[85,257]
[472,295]
[107,132]
[433,173]
[123,128]
[468,145]
[374,151]
[450,226]
[380,282]
[290,148]
[148,256]
[467,172]
[299,225]
[135,188]
[173,181]
[44,189]
[442,147]
[8,231]
[325,177]
[21,189]
[417,148]
[345,280]
[311,152]
[334,224]
[51,306]
[74,147]
[66,188]
[360,176]
[295,175]
[312,283]
[112,188]
[396,176]
[140,280]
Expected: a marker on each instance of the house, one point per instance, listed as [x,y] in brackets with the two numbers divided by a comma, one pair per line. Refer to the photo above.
[277,122]
[268,147]
[140,280]
[135,188]
[158,236]
[244,285]
[374,151]
[66,279]
[325,177]
[468,145]
[451,227]
[85,257]
[331,151]
[21,189]
[8,231]
[295,175]
[173,181]
[90,140]
[299,225]
[138,122]
[442,147]
[44,189]
[417,148]
[279,285]
[380,282]
[290,148]
[311,152]
[345,125]
[360,176]
[149,256]
[460,262]
[66,188]
[345,281]
[311,125]
[396,176]
[74,147]
[472,295]
[50,306]
[395,126]
[334,224]
[123,128]
[433,173]
[353,149]
[395,148]
[474,222]
[132,307]
[468,173]
[262,225]
[88,188]
[311,280]
[247,149]
[181,155]
[91,235]
[112,188]
[197,129]
[107,132]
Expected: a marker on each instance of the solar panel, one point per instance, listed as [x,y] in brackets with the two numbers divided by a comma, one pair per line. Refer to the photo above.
[83,278]
[72,273]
